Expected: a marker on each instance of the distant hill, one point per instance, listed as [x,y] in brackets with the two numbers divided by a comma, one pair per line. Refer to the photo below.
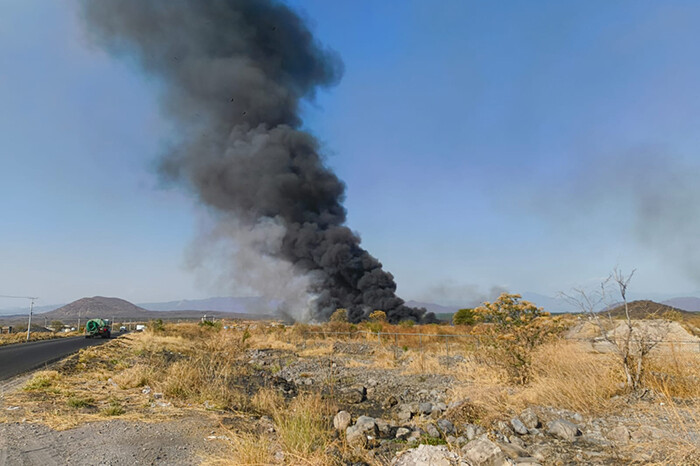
[688,303]
[225,304]
[645,308]
[120,310]
[97,306]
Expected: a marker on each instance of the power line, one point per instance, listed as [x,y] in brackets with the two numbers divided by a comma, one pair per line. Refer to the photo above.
[31,309]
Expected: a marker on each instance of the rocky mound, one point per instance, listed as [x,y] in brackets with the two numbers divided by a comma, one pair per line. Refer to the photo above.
[97,306]
[646,309]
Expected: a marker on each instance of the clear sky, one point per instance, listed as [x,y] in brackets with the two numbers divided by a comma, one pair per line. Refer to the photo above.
[525,145]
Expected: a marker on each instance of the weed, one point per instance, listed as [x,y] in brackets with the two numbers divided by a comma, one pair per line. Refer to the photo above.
[114,409]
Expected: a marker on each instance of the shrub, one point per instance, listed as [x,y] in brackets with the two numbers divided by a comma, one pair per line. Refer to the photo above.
[464,317]
[407,323]
[340,315]
[157,325]
[513,329]
[378,316]
[211,325]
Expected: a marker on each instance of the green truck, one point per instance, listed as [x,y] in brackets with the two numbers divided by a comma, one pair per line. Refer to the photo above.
[98,328]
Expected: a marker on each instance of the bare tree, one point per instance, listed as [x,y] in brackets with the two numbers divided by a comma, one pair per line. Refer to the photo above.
[633,341]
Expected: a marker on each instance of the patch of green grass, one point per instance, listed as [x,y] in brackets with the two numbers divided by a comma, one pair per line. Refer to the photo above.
[77,402]
[42,381]
[425,440]
[114,409]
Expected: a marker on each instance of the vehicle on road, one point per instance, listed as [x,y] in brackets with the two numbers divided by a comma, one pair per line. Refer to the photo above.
[122,329]
[98,327]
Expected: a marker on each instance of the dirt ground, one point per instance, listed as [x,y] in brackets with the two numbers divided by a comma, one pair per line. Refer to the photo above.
[185,441]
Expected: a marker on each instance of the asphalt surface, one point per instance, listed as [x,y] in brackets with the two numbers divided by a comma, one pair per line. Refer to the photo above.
[18,358]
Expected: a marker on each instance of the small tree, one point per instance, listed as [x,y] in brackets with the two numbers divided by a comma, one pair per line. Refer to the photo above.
[377,319]
[340,315]
[632,341]
[56,325]
[464,317]
[513,329]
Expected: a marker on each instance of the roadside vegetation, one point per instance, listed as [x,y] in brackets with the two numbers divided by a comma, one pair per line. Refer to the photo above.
[20,336]
[275,389]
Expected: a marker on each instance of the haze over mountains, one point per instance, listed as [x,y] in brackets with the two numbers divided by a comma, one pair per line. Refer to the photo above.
[260,306]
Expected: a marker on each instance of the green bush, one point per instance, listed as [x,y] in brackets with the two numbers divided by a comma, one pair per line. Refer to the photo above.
[464,317]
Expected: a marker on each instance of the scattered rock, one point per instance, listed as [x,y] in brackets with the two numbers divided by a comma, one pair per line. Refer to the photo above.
[446,426]
[517,441]
[353,395]
[527,462]
[620,434]
[355,437]
[504,428]
[341,421]
[358,434]
[645,433]
[472,431]
[384,428]
[530,419]
[563,429]
[390,402]
[432,431]
[405,415]
[425,408]
[513,451]
[367,424]
[483,452]
[518,426]
[402,433]
[427,455]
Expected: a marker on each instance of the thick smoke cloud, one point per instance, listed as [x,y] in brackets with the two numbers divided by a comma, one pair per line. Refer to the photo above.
[233,74]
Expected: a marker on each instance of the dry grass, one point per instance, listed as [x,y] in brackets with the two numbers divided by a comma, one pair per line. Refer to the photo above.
[247,449]
[21,337]
[303,428]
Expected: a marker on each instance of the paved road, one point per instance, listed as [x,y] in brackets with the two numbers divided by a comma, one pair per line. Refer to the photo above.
[22,357]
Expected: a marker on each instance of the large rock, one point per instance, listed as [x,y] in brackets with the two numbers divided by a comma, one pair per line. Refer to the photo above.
[353,395]
[402,433]
[563,429]
[446,426]
[341,421]
[365,428]
[530,419]
[483,452]
[367,424]
[518,426]
[355,437]
[425,408]
[428,455]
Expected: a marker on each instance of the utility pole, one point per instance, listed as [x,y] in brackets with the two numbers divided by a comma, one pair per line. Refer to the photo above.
[31,310]
[29,326]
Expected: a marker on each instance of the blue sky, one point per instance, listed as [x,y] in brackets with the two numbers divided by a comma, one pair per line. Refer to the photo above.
[482,143]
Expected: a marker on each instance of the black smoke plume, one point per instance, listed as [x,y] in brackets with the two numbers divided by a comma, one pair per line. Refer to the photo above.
[233,75]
